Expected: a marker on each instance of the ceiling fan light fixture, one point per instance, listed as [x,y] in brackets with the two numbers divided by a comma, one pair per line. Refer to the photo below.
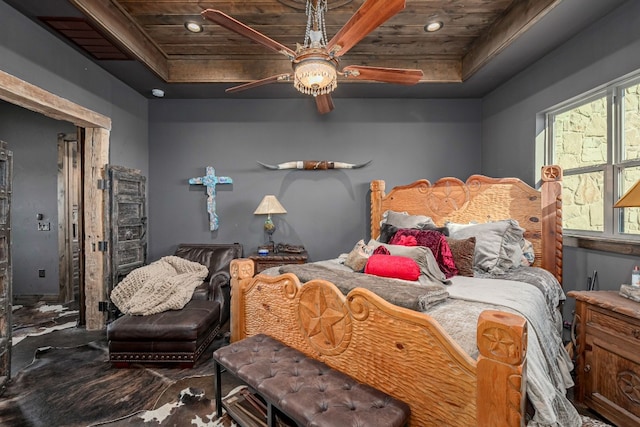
[433,26]
[194,27]
[315,76]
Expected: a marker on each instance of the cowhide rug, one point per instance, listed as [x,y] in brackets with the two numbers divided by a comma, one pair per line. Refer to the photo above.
[189,407]
[590,422]
[77,386]
[41,318]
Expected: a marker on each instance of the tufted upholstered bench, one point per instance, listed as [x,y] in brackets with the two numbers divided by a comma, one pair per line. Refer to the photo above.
[304,389]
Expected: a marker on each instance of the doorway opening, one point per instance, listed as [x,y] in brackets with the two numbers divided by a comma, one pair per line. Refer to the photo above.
[70,221]
[94,149]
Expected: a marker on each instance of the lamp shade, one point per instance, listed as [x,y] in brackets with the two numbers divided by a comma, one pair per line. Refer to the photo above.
[269,205]
[630,199]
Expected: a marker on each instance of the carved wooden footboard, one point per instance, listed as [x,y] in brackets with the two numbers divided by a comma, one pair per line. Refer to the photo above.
[401,352]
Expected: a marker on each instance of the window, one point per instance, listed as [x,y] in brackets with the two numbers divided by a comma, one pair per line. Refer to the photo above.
[596,140]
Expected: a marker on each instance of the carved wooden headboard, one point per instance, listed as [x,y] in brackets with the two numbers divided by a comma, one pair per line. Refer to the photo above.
[484,199]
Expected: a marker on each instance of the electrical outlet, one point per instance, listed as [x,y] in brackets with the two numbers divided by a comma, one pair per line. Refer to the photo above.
[41,273]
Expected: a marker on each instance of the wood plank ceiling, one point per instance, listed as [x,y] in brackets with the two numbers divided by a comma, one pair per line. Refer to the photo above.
[153,32]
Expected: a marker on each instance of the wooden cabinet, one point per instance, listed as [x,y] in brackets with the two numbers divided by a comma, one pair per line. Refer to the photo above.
[608,355]
[262,262]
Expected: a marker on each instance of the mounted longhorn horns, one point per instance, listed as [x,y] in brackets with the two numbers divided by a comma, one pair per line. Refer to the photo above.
[314,165]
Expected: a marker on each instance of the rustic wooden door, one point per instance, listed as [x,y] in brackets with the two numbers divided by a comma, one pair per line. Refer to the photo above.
[126,221]
[6,176]
[69,218]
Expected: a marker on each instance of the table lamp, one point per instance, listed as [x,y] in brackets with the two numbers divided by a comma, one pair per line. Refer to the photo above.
[630,199]
[268,206]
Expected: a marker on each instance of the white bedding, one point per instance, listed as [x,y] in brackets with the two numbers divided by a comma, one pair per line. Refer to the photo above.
[548,363]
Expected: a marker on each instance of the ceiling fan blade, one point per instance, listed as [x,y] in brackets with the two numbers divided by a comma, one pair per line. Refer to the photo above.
[367,18]
[401,76]
[236,26]
[262,82]
[324,103]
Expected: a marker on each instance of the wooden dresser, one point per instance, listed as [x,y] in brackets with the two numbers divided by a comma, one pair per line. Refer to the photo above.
[262,262]
[608,355]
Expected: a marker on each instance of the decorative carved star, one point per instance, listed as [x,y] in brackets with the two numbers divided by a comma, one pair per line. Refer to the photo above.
[501,342]
[319,317]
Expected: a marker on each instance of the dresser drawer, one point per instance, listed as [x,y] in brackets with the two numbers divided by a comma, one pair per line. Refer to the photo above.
[626,327]
[263,265]
[262,262]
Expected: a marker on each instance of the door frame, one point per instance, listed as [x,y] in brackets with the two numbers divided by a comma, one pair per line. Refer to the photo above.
[95,149]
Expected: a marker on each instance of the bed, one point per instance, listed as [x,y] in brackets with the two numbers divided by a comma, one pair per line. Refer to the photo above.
[515,371]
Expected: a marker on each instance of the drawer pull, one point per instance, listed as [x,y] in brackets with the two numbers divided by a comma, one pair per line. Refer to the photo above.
[587,368]
[635,333]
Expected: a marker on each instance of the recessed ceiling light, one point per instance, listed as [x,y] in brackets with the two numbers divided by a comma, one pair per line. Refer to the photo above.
[194,27]
[158,93]
[433,26]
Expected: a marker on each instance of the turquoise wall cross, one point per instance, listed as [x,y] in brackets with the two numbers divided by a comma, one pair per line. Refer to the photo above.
[210,180]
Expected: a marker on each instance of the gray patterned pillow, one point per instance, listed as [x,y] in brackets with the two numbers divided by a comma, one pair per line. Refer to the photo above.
[463,251]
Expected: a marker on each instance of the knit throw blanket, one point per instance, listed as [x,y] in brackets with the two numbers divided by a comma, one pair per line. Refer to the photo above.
[166,284]
[411,295]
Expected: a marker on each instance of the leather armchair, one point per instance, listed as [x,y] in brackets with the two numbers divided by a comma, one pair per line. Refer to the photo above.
[217,285]
[180,336]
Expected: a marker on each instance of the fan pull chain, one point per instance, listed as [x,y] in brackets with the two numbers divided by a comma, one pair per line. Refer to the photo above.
[315,11]
[323,26]
[308,29]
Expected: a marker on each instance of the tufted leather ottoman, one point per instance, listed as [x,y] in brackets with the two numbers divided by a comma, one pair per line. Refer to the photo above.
[177,336]
[305,389]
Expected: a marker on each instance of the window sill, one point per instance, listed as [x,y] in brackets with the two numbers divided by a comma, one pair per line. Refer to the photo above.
[618,246]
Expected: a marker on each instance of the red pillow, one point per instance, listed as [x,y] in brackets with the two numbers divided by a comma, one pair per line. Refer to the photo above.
[393,266]
[432,239]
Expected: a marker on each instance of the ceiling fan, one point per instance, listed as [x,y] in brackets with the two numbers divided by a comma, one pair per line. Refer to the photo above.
[315,63]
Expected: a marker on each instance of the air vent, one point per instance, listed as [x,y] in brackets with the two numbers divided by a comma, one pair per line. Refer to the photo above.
[81,33]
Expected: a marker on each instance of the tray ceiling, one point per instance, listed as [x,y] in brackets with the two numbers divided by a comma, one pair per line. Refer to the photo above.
[152,33]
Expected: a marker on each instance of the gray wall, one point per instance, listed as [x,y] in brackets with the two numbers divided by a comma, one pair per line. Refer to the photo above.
[33,140]
[512,132]
[326,210]
[30,53]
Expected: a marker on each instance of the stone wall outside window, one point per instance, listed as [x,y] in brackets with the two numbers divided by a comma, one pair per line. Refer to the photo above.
[580,140]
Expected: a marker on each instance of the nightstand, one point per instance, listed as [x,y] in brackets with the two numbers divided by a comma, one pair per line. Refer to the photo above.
[608,355]
[262,262]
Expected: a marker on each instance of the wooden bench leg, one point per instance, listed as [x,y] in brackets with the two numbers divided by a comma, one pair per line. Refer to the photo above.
[271,415]
[218,390]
